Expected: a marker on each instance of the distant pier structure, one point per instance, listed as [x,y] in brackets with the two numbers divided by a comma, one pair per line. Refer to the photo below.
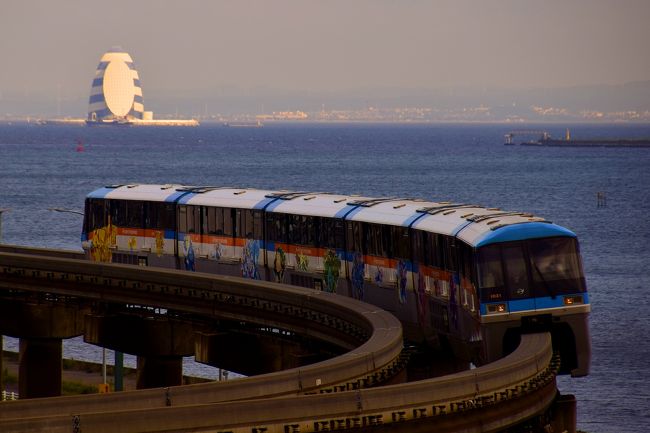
[543,138]
[533,135]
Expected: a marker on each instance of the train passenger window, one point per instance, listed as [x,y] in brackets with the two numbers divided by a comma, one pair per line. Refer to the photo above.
[95,214]
[437,251]
[244,224]
[400,242]
[326,234]
[302,230]
[222,221]
[152,213]
[276,227]
[516,273]
[373,239]
[465,257]
[332,233]
[368,239]
[193,222]
[387,240]
[354,236]
[418,246]
[555,266]
[134,210]
[212,220]
[249,224]
[158,215]
[258,224]
[117,212]
[449,250]
[204,220]
[182,219]
[292,228]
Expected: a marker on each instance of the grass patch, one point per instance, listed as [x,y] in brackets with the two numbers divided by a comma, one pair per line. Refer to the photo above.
[8,378]
[75,388]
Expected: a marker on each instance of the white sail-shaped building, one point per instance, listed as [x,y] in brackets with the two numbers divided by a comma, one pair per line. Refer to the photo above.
[116,93]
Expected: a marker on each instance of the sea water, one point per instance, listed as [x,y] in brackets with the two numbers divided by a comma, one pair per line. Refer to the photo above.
[43,167]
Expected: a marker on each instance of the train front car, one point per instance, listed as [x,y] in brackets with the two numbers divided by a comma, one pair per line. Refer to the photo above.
[529,278]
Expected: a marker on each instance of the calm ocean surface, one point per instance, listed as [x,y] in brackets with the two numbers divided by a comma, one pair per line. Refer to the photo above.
[40,169]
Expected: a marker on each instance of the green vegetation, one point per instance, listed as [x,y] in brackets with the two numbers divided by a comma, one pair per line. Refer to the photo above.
[74,388]
[8,378]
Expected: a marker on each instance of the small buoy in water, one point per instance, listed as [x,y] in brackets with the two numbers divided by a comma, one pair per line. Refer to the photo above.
[80,146]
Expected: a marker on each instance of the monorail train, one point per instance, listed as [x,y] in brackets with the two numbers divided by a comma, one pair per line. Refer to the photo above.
[466,276]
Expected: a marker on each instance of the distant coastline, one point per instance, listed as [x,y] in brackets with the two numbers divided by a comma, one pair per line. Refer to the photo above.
[235,121]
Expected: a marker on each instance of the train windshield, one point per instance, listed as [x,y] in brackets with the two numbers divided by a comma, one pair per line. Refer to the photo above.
[535,267]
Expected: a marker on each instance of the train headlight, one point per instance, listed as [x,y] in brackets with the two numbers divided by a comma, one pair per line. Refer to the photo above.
[497,308]
[573,300]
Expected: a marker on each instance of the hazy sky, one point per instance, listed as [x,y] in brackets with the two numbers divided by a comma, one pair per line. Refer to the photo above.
[195,47]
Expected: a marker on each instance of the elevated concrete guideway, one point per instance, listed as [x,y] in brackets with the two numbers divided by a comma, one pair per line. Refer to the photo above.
[488,399]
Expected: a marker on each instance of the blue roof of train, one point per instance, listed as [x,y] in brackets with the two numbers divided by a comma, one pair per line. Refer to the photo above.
[517,232]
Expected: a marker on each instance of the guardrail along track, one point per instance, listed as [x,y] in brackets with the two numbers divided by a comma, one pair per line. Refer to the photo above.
[487,399]
[372,336]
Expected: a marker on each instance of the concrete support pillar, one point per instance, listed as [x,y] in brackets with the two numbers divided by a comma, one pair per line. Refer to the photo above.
[39,367]
[40,328]
[159,343]
[565,419]
[159,371]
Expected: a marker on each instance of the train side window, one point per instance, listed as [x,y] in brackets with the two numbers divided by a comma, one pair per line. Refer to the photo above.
[325,237]
[354,236]
[167,216]
[197,219]
[182,219]
[220,226]
[400,242]
[193,221]
[339,234]
[374,239]
[332,233]
[465,259]
[246,224]
[291,228]
[134,210]
[239,223]
[387,240]
[148,214]
[302,229]
[271,228]
[280,222]
[212,220]
[116,212]
[258,224]
[450,253]
[229,222]
[96,211]
[436,256]
[368,239]
[416,246]
[204,220]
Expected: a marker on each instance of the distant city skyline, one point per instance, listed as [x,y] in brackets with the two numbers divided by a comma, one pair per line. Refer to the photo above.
[259,56]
